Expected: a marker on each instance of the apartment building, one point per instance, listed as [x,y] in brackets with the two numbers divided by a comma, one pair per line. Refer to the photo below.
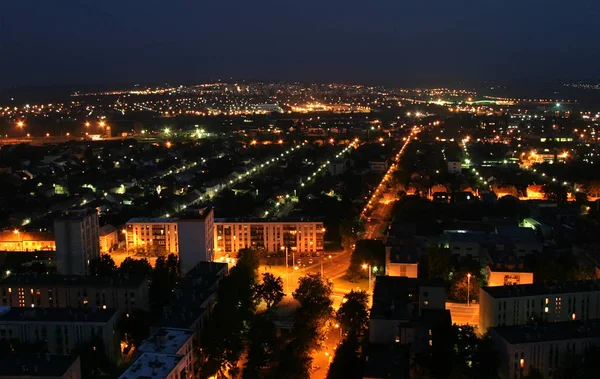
[77,240]
[43,366]
[172,341]
[519,304]
[123,292]
[299,235]
[157,366]
[544,347]
[109,238]
[190,236]
[62,330]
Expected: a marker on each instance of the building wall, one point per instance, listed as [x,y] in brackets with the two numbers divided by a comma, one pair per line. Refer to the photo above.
[402,269]
[382,331]
[464,249]
[518,310]
[501,278]
[77,242]
[73,372]
[64,337]
[454,167]
[108,241]
[545,356]
[23,241]
[125,299]
[301,237]
[152,235]
[196,241]
[432,298]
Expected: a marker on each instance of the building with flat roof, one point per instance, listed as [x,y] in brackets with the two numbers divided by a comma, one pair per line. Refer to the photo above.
[190,236]
[157,366]
[44,366]
[77,240]
[62,330]
[299,235]
[124,292]
[402,260]
[524,241]
[16,240]
[172,341]
[400,304]
[544,347]
[504,270]
[520,304]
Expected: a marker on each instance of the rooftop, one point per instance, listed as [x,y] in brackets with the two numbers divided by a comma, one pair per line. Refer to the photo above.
[77,213]
[167,341]
[42,365]
[151,365]
[393,296]
[11,236]
[267,220]
[8,314]
[536,289]
[107,229]
[157,220]
[32,279]
[518,234]
[552,331]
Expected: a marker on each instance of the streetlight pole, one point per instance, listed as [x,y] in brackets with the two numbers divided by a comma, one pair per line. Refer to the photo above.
[367,266]
[287,272]
[468,289]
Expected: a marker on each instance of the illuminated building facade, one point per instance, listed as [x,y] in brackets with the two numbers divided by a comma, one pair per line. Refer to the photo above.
[297,235]
[26,241]
[518,304]
[190,236]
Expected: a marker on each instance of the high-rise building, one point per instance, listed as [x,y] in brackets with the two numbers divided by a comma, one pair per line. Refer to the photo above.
[77,240]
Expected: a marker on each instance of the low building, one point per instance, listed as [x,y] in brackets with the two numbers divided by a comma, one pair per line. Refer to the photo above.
[299,235]
[337,167]
[402,260]
[62,330]
[157,366]
[507,270]
[543,347]
[520,304]
[109,238]
[122,292]
[44,366]
[523,241]
[15,240]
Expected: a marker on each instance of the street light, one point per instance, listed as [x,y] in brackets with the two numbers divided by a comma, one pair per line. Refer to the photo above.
[366,266]
[468,289]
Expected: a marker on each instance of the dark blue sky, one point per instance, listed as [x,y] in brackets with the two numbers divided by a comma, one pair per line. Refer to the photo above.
[370,41]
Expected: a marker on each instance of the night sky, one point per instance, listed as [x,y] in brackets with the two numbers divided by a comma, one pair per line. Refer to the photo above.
[396,42]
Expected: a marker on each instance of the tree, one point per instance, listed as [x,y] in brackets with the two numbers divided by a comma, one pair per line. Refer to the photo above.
[367,251]
[136,266]
[271,290]
[353,314]
[262,345]
[555,192]
[314,295]
[103,266]
[346,363]
[438,262]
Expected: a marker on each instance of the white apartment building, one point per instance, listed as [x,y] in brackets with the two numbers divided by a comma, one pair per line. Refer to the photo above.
[298,235]
[77,240]
[190,236]
[518,304]
[543,347]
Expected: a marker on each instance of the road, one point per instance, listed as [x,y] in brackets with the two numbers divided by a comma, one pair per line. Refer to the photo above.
[463,314]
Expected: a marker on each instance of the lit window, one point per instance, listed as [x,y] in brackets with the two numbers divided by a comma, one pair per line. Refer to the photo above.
[522,362]
[546,309]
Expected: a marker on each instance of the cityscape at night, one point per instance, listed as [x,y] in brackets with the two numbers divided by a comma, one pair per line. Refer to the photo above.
[336,190]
